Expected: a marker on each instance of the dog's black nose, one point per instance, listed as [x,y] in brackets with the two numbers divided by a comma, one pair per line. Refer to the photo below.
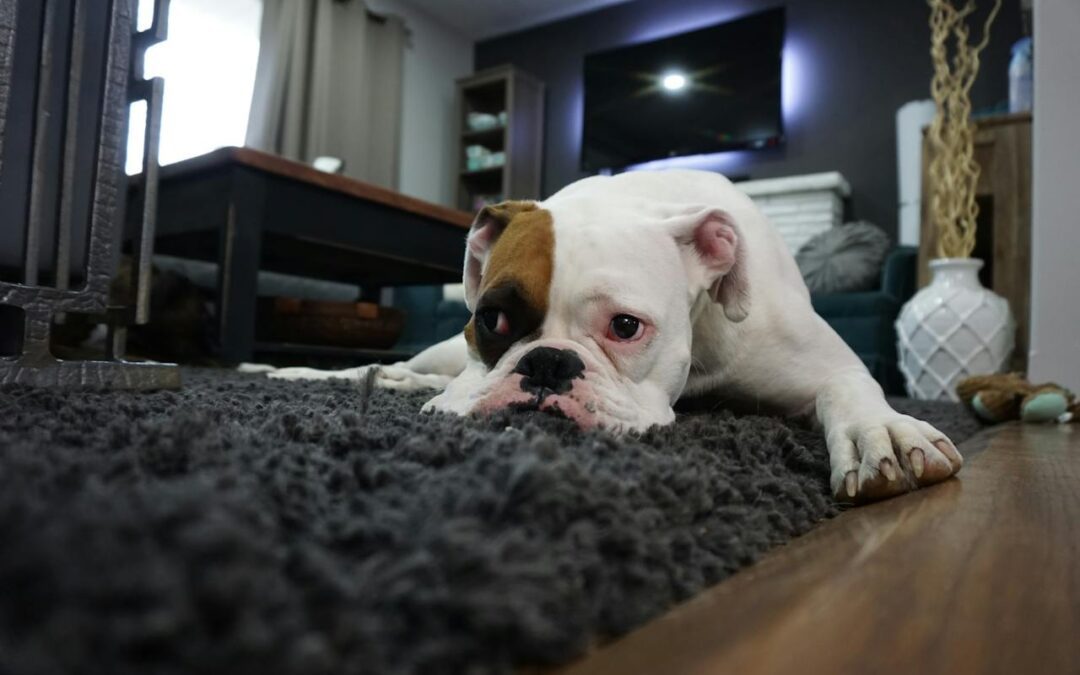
[547,370]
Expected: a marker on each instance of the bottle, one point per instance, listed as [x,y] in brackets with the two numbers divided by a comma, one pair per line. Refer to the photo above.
[1020,76]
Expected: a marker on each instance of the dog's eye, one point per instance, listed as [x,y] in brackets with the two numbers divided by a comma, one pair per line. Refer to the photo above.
[494,321]
[625,328]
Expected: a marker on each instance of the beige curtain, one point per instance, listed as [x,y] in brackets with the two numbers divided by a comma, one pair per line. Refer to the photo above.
[328,82]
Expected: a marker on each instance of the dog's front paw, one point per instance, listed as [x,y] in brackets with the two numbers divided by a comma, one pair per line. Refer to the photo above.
[394,376]
[255,368]
[401,378]
[885,457]
[299,373]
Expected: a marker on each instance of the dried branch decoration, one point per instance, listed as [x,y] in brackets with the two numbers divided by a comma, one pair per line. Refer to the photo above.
[953,170]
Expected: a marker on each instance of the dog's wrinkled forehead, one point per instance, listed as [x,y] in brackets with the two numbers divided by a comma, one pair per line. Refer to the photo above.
[516,260]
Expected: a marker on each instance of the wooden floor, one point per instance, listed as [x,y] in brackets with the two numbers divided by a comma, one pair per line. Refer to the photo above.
[979,574]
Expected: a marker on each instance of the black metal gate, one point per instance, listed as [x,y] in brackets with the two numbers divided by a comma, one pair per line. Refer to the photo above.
[61,174]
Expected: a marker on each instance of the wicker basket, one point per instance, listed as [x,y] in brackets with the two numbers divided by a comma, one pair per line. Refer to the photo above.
[361,325]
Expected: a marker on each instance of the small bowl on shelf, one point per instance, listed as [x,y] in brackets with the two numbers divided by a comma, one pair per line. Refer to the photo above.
[478,121]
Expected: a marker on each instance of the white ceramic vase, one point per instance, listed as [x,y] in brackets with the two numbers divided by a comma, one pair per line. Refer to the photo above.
[951,329]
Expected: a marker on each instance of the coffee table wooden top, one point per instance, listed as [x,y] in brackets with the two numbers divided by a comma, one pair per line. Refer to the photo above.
[979,574]
[287,168]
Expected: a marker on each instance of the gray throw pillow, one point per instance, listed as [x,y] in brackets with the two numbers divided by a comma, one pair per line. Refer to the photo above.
[844,259]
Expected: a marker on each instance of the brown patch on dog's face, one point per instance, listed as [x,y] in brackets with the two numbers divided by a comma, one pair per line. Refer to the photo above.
[516,282]
[524,255]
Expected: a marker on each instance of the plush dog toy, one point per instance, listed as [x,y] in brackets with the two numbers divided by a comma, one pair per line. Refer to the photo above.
[1000,398]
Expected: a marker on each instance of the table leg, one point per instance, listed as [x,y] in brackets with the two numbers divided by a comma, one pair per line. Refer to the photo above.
[239,255]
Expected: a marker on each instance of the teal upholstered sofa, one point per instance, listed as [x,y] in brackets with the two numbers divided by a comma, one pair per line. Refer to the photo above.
[429,318]
[864,320]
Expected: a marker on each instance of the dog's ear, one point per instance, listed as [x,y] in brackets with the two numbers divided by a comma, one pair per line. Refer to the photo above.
[714,252]
[486,229]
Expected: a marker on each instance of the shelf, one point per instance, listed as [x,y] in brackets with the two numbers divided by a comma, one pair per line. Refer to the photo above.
[471,134]
[486,86]
[489,97]
[493,139]
[331,352]
[483,173]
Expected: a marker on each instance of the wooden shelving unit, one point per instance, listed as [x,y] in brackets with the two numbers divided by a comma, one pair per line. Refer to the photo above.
[521,97]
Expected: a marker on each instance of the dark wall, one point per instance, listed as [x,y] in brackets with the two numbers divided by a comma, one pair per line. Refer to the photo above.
[849,64]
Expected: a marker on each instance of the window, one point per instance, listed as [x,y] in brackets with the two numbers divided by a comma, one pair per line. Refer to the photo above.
[208,63]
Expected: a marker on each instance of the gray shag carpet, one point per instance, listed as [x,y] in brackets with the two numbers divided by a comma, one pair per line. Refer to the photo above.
[245,525]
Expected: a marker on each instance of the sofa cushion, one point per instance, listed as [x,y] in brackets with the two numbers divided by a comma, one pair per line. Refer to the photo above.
[844,259]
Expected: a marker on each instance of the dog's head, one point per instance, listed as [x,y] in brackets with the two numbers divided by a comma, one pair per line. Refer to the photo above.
[584,307]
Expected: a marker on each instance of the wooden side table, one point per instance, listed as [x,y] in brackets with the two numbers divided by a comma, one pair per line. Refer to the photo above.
[1003,239]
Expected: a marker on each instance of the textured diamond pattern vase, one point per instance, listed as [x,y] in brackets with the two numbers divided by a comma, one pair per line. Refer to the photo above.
[951,329]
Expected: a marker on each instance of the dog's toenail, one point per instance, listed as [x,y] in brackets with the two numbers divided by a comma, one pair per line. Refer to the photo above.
[950,453]
[851,482]
[918,462]
[887,469]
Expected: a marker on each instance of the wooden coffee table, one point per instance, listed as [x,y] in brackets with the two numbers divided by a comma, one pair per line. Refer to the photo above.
[249,211]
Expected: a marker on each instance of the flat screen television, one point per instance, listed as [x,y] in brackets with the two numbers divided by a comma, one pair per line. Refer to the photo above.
[712,89]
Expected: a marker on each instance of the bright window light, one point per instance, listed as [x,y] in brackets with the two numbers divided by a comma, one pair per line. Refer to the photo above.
[674,81]
[208,63]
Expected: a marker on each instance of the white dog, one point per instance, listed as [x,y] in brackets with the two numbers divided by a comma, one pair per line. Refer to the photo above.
[619,295]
